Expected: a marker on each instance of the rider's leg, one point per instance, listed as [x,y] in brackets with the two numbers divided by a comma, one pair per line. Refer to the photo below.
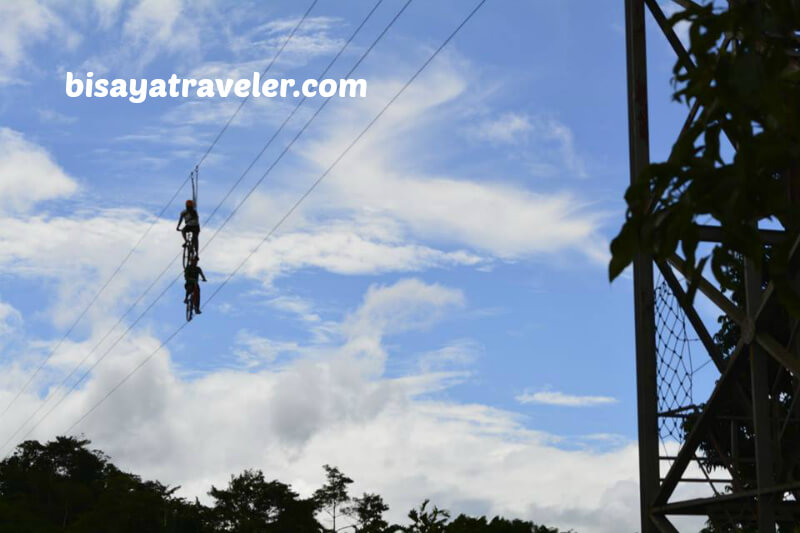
[197,298]
[196,239]
[187,287]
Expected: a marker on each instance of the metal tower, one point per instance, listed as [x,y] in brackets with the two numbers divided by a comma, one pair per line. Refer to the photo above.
[742,398]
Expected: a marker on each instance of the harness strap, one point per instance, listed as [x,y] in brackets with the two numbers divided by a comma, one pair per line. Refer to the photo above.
[194,175]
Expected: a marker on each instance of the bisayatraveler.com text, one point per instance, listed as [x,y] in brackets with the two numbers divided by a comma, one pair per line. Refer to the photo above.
[139,90]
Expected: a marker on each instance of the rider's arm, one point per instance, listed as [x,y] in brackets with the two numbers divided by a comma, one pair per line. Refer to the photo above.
[179,221]
[203,276]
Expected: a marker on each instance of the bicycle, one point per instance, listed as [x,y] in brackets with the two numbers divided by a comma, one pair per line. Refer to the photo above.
[189,253]
[192,299]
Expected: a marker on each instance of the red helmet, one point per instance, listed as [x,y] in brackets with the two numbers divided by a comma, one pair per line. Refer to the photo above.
[189,203]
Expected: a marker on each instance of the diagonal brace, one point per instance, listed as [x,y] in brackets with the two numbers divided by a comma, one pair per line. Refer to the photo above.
[749,333]
[687,452]
[669,33]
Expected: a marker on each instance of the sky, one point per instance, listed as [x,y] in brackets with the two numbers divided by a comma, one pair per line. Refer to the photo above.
[435,319]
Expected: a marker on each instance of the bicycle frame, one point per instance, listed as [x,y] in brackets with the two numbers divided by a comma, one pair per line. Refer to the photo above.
[189,252]
[192,300]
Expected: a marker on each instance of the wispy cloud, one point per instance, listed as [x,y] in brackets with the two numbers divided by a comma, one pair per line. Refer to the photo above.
[550,142]
[54,117]
[10,322]
[22,163]
[507,128]
[334,404]
[21,25]
[682,28]
[562,399]
[253,350]
[457,354]
[506,220]
[313,38]
[178,136]
[300,307]
[409,304]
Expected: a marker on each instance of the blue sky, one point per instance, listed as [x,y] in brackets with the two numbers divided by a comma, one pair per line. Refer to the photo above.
[438,311]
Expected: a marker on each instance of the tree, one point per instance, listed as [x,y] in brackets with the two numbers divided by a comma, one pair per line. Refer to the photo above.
[252,504]
[63,485]
[333,494]
[747,94]
[427,521]
[468,524]
[368,513]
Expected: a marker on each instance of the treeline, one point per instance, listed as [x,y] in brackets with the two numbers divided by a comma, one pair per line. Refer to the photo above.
[63,486]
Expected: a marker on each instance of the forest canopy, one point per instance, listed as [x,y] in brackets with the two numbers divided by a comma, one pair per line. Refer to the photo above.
[64,485]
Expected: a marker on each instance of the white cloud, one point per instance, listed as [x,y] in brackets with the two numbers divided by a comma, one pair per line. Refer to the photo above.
[500,219]
[302,308]
[107,11]
[206,113]
[508,128]
[44,247]
[407,305]
[10,322]
[333,405]
[562,399]
[28,173]
[682,28]
[54,117]
[313,38]
[149,29]
[486,213]
[253,350]
[311,24]
[153,20]
[183,136]
[458,353]
[549,143]
[554,131]
[187,29]
[21,25]
[342,249]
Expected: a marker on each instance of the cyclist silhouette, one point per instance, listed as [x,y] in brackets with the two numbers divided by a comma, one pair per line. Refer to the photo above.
[193,274]
[191,221]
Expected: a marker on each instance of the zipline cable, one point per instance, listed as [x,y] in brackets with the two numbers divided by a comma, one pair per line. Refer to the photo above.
[304,98]
[194,175]
[299,133]
[217,231]
[152,224]
[286,216]
[246,98]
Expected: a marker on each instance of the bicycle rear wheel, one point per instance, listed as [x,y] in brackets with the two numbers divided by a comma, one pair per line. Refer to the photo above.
[187,254]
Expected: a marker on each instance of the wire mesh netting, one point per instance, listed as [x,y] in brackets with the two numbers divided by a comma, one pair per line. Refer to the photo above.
[673,349]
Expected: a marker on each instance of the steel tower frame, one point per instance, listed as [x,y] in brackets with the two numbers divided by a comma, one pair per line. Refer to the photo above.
[766,504]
